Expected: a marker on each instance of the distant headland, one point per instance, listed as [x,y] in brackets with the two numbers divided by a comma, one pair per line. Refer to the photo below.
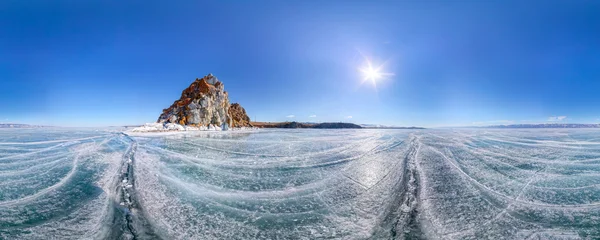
[304,125]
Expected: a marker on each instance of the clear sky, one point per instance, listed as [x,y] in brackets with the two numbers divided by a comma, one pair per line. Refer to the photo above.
[100,63]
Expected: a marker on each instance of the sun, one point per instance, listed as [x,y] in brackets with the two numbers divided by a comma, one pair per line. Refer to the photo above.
[373,74]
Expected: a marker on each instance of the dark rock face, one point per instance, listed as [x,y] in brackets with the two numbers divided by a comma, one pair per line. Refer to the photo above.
[204,103]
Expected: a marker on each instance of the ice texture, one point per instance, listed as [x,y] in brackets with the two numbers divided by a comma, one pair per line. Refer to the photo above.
[57,184]
[507,184]
[268,184]
[300,184]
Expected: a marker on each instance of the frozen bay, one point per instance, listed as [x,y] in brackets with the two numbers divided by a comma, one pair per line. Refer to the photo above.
[306,184]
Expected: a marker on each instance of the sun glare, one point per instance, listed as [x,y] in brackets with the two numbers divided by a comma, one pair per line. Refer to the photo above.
[373,74]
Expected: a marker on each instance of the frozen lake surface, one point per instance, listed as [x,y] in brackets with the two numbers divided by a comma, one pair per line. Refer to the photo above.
[301,184]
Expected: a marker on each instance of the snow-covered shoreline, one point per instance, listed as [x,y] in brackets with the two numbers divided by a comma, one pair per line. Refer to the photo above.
[169,128]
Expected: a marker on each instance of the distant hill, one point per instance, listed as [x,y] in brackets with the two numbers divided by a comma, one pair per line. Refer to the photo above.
[336,125]
[377,126]
[547,125]
[304,125]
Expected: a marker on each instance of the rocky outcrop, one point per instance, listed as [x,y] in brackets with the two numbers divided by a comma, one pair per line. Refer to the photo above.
[238,115]
[205,103]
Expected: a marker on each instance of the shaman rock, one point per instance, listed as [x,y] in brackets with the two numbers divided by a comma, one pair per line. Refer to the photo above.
[204,103]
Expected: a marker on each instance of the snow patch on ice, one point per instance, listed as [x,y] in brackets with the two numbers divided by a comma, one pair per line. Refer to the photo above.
[173,127]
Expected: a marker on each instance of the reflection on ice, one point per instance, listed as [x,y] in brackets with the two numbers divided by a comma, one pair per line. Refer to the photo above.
[269,184]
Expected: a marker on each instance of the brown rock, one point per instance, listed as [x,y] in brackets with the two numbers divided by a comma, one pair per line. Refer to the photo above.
[204,87]
[203,103]
[238,115]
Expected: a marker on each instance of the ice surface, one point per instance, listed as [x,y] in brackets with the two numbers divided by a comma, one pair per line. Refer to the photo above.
[506,184]
[268,184]
[300,184]
[58,185]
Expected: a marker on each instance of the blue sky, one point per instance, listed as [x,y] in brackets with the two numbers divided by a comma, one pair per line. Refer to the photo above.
[455,63]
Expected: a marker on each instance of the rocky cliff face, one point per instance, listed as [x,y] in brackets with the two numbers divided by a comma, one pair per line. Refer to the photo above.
[205,103]
[238,116]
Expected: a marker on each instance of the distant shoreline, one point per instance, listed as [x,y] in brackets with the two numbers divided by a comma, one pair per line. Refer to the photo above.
[546,125]
[326,125]
[414,128]
[19,125]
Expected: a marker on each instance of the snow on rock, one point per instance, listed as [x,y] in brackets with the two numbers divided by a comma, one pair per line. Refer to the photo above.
[150,127]
[174,127]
